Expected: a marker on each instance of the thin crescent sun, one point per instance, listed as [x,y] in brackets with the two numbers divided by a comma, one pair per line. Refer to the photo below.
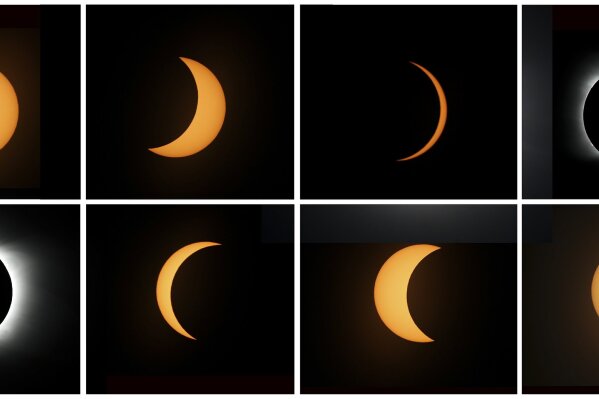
[442,115]
[208,119]
[165,283]
[391,291]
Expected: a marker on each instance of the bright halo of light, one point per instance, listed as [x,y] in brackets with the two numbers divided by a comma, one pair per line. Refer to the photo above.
[588,85]
[18,267]
[582,82]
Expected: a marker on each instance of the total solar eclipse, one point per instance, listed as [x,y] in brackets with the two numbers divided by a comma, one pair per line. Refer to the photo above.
[5,292]
[591,115]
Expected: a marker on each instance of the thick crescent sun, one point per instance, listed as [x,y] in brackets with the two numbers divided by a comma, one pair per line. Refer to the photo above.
[442,115]
[391,291]
[9,110]
[165,283]
[208,119]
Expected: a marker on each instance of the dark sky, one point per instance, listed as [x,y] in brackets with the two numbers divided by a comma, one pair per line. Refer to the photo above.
[236,299]
[364,105]
[39,339]
[463,296]
[140,95]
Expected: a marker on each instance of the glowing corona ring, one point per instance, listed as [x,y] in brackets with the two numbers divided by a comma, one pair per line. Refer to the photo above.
[17,321]
[5,292]
[590,115]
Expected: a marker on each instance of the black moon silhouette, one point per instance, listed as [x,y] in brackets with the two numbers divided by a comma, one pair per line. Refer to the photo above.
[590,115]
[5,292]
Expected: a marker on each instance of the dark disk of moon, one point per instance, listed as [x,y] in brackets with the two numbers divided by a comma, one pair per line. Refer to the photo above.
[591,115]
[5,292]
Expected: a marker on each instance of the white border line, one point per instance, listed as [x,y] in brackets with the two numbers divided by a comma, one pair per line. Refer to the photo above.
[296,201]
[296,196]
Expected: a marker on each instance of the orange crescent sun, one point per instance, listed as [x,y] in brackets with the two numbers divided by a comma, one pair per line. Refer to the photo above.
[442,114]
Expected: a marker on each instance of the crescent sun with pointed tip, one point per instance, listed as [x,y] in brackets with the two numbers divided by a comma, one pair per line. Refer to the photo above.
[391,291]
[442,114]
[208,119]
[164,284]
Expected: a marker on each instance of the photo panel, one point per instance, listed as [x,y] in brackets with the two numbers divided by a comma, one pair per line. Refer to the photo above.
[190,299]
[408,299]
[560,296]
[560,101]
[40,102]
[190,101]
[408,102]
[39,299]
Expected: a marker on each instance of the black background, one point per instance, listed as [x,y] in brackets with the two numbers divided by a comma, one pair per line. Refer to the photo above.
[560,325]
[364,105]
[236,299]
[59,116]
[575,60]
[140,95]
[463,296]
[40,354]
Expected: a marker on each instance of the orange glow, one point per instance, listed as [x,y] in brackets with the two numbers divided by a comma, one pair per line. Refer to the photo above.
[9,110]
[595,290]
[165,283]
[442,115]
[208,119]
[391,291]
